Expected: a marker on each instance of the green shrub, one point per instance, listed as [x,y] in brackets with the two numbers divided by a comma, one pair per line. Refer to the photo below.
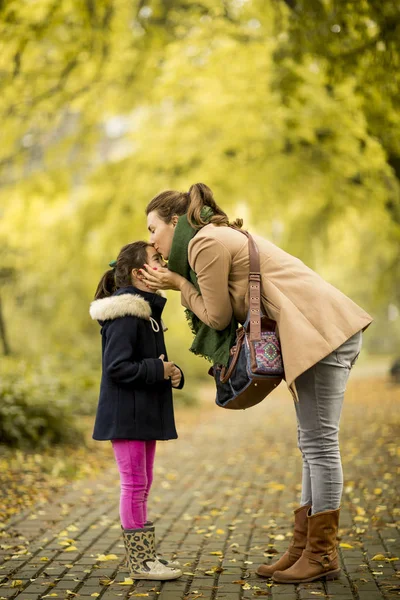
[35,410]
[79,382]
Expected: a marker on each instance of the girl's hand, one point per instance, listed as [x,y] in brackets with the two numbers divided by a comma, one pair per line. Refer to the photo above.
[176,377]
[161,279]
[168,368]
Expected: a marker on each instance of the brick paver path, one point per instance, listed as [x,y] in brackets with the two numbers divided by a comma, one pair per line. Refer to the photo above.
[222,501]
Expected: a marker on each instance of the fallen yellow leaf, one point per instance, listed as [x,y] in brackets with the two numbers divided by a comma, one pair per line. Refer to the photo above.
[246,586]
[126,581]
[105,557]
[344,545]
[220,531]
[276,486]
[360,530]
[71,549]
[378,557]
[16,583]
[217,553]
[95,595]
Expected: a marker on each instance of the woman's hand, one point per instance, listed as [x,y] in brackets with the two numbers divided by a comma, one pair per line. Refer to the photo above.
[161,279]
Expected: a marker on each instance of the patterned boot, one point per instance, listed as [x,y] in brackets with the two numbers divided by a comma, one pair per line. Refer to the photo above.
[143,564]
[174,564]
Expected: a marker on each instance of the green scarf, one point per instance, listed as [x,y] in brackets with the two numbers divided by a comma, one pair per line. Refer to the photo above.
[209,343]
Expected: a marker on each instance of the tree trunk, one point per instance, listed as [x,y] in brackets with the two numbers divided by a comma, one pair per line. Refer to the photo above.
[3,334]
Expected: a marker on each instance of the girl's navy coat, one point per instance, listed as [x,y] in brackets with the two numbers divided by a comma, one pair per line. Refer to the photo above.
[135,400]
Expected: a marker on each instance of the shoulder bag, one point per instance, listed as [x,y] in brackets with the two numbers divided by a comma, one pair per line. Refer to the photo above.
[255,366]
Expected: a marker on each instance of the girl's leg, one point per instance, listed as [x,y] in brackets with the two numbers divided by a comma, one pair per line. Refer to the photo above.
[130,456]
[150,454]
[321,392]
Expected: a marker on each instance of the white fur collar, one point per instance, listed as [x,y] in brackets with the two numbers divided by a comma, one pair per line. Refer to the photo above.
[123,305]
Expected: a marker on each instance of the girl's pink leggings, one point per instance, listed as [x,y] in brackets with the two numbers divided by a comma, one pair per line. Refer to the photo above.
[135,460]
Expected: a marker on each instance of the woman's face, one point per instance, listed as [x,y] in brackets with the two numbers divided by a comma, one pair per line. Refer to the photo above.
[161,233]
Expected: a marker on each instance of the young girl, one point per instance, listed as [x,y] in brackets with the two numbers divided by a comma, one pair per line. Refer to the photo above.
[135,406]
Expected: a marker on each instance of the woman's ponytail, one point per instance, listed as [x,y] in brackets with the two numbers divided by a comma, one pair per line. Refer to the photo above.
[170,203]
[106,285]
[200,196]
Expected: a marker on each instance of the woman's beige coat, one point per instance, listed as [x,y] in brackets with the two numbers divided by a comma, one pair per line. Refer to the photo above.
[314,318]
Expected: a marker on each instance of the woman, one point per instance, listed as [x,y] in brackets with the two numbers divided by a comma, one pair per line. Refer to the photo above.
[320,335]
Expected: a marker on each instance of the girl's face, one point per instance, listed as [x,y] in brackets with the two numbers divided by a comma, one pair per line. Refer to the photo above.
[154,260]
[161,233]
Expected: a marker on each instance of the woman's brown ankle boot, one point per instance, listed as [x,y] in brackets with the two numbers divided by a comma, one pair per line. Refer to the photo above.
[320,558]
[295,549]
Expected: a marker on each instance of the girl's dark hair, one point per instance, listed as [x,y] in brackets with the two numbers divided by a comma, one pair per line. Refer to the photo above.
[131,256]
[170,203]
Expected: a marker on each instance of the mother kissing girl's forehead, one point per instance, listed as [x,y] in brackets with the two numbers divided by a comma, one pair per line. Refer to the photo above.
[320,333]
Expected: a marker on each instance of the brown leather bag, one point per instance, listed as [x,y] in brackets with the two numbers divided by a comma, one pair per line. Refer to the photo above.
[255,366]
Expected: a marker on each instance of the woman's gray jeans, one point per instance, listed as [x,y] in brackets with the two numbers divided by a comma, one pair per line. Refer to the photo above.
[321,392]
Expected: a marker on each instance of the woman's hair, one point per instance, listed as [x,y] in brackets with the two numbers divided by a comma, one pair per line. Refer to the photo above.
[131,256]
[170,203]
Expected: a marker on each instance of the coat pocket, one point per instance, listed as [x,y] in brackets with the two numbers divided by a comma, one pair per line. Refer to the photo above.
[126,409]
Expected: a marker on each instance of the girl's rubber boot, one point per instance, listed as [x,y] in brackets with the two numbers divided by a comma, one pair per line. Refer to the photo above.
[296,547]
[142,561]
[174,564]
[319,560]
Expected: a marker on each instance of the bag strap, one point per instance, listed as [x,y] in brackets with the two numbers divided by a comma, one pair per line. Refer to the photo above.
[235,351]
[254,288]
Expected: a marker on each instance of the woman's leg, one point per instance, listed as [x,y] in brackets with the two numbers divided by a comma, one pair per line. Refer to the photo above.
[130,456]
[306,497]
[150,454]
[321,392]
